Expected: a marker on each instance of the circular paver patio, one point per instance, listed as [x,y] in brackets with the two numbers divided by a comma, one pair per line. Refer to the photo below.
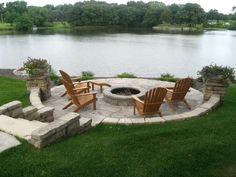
[106,110]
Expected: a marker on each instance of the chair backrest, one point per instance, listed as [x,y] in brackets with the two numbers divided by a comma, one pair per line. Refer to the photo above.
[69,88]
[153,100]
[181,89]
[65,77]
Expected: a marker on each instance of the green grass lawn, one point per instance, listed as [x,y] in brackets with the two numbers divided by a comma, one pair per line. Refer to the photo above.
[201,147]
[13,89]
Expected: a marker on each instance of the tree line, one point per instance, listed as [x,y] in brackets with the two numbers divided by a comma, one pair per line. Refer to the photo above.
[94,13]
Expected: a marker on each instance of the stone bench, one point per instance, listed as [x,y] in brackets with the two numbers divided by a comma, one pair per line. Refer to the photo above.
[14,109]
[65,126]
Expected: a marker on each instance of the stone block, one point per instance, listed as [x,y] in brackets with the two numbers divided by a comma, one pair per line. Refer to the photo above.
[16,113]
[3,110]
[59,134]
[138,120]
[85,124]
[154,120]
[126,121]
[29,110]
[48,130]
[73,128]
[12,105]
[64,126]
[70,117]
[46,114]
[173,117]
[72,121]
[110,120]
[33,116]
[195,113]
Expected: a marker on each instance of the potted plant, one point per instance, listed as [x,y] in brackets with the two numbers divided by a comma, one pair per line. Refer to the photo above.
[215,79]
[215,73]
[38,71]
[36,67]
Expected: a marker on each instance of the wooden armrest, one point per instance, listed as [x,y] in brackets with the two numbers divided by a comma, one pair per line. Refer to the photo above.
[137,99]
[81,88]
[86,94]
[100,83]
[83,82]
[170,90]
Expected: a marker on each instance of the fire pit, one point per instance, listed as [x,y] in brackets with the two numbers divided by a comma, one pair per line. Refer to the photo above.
[122,96]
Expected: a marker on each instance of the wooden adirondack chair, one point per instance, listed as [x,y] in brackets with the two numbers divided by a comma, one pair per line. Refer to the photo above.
[84,87]
[100,84]
[178,92]
[152,102]
[80,100]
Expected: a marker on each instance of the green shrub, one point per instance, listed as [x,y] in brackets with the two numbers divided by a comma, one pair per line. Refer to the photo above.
[23,23]
[168,77]
[227,72]
[126,75]
[55,78]
[36,67]
[233,25]
[87,75]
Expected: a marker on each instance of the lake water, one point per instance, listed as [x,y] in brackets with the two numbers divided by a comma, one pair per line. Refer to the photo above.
[106,54]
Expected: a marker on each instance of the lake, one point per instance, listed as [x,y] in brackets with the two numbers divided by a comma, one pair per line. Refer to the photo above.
[109,54]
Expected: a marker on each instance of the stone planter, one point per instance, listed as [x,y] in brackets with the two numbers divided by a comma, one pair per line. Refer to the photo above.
[42,81]
[214,85]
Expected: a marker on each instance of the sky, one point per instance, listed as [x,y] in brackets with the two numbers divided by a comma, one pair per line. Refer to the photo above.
[223,6]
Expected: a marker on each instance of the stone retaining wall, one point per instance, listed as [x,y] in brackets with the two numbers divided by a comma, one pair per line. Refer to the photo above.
[14,109]
[214,86]
[67,125]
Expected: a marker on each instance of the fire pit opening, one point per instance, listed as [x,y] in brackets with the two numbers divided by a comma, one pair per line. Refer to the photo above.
[122,95]
[125,91]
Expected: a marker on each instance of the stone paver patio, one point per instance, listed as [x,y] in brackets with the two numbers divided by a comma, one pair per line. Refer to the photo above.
[118,113]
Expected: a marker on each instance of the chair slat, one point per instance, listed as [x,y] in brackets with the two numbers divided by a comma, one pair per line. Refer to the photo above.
[153,100]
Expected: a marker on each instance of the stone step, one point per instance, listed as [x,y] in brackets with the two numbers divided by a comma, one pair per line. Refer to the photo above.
[19,127]
[85,124]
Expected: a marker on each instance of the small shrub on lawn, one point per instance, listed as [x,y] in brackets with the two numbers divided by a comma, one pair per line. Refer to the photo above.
[126,75]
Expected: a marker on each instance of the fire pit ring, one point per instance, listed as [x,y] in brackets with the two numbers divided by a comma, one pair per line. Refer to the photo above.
[122,95]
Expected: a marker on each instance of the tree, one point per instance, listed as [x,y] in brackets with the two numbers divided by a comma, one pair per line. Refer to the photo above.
[174,9]
[192,14]
[62,12]
[40,16]
[166,16]
[14,9]
[23,23]
[153,13]
[214,15]
[1,11]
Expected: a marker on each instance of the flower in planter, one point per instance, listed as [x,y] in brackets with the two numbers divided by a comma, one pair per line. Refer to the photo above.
[221,72]
[36,67]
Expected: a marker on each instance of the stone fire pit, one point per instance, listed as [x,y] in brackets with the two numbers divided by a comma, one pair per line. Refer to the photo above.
[122,95]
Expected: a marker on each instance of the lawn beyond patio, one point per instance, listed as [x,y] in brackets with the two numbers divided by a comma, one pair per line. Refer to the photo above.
[201,147]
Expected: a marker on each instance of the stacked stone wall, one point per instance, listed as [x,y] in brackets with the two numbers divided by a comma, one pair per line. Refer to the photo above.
[214,87]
